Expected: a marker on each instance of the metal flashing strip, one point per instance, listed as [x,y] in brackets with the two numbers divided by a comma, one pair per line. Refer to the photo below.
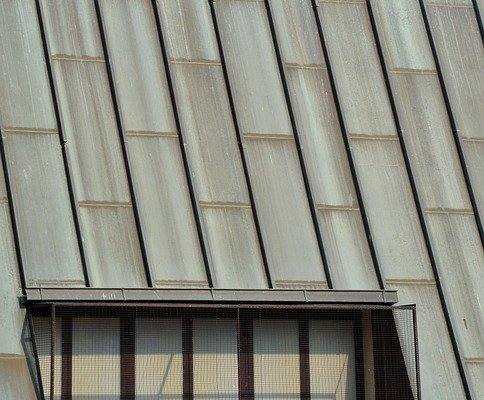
[214,296]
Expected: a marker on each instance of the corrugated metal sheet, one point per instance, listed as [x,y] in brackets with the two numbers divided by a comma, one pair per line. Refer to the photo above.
[165,152]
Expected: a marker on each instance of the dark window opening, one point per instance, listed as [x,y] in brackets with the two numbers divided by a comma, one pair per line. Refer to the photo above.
[143,352]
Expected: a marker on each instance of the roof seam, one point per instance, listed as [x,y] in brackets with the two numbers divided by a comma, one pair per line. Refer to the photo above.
[74,57]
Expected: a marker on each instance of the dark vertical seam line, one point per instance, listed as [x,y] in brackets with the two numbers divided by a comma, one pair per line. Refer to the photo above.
[452,122]
[245,356]
[36,353]
[63,142]
[11,209]
[478,18]
[187,352]
[239,141]
[417,355]
[417,201]
[66,357]
[123,144]
[359,356]
[127,349]
[304,365]
[349,155]
[298,145]
[52,351]
[181,143]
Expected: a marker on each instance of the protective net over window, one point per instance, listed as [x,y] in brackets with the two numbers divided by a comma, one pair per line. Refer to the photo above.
[147,352]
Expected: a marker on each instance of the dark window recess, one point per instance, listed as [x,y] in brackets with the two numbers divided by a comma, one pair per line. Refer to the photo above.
[231,352]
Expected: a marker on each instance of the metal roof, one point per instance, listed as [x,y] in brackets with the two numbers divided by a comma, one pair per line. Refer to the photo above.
[250,145]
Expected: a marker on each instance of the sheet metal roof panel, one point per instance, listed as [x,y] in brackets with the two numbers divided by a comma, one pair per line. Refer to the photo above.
[47,235]
[152,142]
[358,77]
[33,154]
[286,224]
[112,247]
[137,64]
[322,146]
[429,141]
[26,101]
[461,57]
[12,317]
[297,31]
[72,27]
[402,35]
[188,29]
[346,244]
[209,134]
[252,67]
[391,210]
[460,257]
[166,213]
[438,370]
[90,130]
[233,248]
[320,136]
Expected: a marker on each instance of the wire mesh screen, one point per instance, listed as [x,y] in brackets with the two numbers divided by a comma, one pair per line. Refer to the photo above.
[142,352]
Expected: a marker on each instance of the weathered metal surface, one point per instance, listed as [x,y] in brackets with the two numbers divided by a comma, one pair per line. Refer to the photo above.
[228,223]
[167,219]
[33,154]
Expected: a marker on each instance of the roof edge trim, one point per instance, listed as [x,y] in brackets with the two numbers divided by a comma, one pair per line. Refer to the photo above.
[207,295]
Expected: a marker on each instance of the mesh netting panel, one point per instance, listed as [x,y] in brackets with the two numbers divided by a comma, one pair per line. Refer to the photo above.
[226,353]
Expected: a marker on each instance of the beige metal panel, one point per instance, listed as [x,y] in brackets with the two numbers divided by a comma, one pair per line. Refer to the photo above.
[438,368]
[23,82]
[449,3]
[137,64]
[460,258]
[211,146]
[347,249]
[461,55]
[112,247]
[276,359]
[402,35]
[159,180]
[189,33]
[280,197]
[332,360]
[72,27]
[3,189]
[159,359]
[15,381]
[215,368]
[233,248]
[12,315]
[475,377]
[209,134]
[95,358]
[320,136]
[252,67]
[391,209]
[330,179]
[474,155]
[39,188]
[288,230]
[297,32]
[90,131]
[429,141]
[43,212]
[356,68]
[166,213]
